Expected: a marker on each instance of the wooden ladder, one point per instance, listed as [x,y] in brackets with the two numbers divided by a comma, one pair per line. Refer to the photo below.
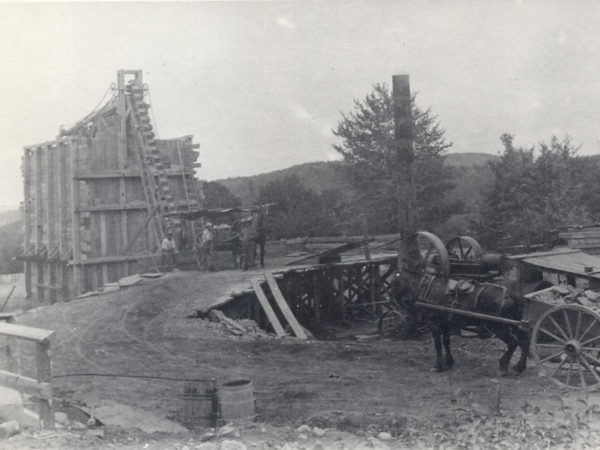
[282,305]
[155,182]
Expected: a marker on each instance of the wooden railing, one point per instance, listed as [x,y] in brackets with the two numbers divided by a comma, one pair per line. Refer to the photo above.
[39,387]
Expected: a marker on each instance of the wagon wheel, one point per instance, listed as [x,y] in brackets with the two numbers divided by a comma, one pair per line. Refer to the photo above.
[434,255]
[464,248]
[565,346]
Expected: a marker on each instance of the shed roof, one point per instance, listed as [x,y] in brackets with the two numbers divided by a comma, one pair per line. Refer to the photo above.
[564,260]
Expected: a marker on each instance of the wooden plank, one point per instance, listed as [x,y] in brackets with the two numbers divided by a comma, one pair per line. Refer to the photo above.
[34,146]
[25,385]
[27,154]
[23,332]
[44,375]
[104,245]
[333,251]
[38,223]
[264,302]
[317,298]
[112,207]
[111,259]
[129,173]
[283,306]
[77,278]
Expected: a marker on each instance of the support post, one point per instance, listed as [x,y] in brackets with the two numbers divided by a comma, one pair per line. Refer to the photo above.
[44,375]
[27,177]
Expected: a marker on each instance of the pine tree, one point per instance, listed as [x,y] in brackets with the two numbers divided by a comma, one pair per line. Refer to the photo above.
[368,148]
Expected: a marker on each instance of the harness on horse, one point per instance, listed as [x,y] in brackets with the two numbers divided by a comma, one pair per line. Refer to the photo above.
[465,294]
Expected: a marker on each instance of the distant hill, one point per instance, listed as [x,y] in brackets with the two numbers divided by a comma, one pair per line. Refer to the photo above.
[469,159]
[318,176]
[10,214]
[328,175]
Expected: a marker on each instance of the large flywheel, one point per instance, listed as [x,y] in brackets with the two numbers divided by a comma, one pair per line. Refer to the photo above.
[464,248]
[433,254]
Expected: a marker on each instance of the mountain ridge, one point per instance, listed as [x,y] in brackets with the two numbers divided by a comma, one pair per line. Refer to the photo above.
[333,175]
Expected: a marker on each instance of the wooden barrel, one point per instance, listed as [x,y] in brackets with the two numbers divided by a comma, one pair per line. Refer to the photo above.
[199,409]
[237,401]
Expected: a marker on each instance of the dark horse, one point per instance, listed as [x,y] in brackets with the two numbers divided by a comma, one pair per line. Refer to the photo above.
[484,298]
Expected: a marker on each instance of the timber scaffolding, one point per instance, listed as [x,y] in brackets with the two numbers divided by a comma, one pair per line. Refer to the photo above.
[316,294]
[98,197]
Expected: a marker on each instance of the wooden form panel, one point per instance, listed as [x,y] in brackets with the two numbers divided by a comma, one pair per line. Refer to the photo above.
[85,204]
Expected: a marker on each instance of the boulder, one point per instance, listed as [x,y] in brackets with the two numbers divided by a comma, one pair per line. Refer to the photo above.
[216,316]
[319,432]
[384,436]
[8,429]
[229,444]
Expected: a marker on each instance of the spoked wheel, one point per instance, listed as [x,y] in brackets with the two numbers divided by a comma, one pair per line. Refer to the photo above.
[394,324]
[464,248]
[433,254]
[566,346]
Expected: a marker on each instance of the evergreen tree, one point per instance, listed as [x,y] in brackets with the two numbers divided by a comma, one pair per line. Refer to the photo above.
[298,211]
[532,195]
[368,147]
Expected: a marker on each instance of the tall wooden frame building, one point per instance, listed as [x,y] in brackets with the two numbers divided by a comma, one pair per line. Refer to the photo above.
[99,196]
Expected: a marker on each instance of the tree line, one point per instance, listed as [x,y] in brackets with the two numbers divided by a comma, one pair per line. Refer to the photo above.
[530,194]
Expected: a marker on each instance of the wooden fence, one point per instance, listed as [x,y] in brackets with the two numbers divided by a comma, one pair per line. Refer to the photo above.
[39,387]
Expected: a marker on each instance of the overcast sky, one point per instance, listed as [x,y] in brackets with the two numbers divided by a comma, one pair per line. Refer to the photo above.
[261,84]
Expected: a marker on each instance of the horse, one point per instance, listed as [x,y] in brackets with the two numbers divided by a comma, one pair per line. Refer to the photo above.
[485,298]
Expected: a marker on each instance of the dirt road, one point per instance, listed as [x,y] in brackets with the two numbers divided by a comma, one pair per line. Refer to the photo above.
[362,388]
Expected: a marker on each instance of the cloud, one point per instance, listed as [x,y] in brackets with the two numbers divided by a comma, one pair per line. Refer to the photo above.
[300,112]
[562,37]
[285,22]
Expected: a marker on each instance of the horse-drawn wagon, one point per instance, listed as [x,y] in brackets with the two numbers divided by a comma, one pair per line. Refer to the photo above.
[458,286]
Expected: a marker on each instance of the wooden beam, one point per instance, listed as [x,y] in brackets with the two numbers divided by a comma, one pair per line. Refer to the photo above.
[29,333]
[77,278]
[44,375]
[43,144]
[523,324]
[284,307]
[27,206]
[50,287]
[38,222]
[110,259]
[264,302]
[113,207]
[25,385]
[128,173]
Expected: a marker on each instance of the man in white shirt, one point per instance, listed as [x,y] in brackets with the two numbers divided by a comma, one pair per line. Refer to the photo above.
[168,250]
[206,246]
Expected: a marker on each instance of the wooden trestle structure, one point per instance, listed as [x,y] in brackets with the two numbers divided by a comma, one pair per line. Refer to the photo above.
[97,198]
[321,293]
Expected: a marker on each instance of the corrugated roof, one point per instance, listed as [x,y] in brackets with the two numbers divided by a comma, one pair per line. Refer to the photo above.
[564,260]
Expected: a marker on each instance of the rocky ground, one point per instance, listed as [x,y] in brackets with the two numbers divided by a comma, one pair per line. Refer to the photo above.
[339,393]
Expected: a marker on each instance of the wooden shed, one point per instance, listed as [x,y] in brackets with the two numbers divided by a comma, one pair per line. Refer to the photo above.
[586,238]
[98,197]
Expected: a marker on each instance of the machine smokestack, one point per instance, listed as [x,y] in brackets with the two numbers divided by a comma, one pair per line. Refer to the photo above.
[406,189]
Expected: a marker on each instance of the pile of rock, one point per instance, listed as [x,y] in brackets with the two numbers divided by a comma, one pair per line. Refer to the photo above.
[565,294]
[244,328]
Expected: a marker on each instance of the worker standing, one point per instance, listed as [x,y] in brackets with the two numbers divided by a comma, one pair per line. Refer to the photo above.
[168,250]
[235,242]
[206,246]
[261,235]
